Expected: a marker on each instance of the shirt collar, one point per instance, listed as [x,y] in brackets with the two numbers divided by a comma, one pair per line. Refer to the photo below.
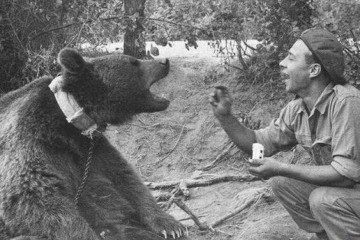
[322,101]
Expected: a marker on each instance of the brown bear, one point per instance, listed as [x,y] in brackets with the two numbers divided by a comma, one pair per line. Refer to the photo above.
[59,177]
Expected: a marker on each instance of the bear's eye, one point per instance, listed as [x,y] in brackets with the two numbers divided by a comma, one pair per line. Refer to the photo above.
[134,61]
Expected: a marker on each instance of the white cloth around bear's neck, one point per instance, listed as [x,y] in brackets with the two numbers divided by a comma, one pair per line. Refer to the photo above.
[73,112]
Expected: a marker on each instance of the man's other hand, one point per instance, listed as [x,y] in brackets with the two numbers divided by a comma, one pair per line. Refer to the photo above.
[265,168]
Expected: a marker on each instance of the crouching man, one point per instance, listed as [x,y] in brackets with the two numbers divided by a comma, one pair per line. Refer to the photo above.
[325,119]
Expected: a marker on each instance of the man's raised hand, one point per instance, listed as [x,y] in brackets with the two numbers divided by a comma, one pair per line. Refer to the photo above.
[221,101]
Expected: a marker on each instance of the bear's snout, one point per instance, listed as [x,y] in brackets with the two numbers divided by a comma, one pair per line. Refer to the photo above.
[154,70]
[165,62]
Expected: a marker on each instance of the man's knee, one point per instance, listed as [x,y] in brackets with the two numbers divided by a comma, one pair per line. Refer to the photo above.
[279,185]
[320,200]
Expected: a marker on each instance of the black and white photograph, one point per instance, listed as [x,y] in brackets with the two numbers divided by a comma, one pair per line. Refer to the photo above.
[180,119]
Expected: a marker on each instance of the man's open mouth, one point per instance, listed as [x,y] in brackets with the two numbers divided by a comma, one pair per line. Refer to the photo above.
[284,76]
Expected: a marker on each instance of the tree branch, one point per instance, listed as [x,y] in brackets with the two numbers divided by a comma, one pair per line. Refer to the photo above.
[175,23]
[113,18]
[175,145]
[205,182]
[182,205]
[180,190]
[247,45]
[349,51]
[219,158]
[73,24]
[233,66]
[262,193]
[355,40]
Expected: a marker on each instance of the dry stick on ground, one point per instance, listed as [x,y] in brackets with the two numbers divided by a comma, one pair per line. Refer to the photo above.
[165,196]
[182,205]
[147,126]
[218,159]
[176,191]
[184,189]
[188,218]
[202,226]
[180,190]
[262,194]
[177,142]
[167,205]
[162,196]
[203,182]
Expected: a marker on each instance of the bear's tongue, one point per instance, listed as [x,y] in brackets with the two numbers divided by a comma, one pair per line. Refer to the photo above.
[161,98]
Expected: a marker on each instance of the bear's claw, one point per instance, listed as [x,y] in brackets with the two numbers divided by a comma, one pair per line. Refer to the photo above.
[164,234]
[174,234]
[166,226]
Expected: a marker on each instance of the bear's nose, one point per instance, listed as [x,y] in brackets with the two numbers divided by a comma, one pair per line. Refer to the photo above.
[164,61]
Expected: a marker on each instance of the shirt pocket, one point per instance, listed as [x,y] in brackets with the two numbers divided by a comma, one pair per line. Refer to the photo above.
[322,152]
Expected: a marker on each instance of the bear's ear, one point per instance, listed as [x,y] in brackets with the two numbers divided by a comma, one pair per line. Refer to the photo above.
[71,60]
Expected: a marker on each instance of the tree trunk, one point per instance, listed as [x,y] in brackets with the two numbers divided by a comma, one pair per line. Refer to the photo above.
[134,41]
[240,55]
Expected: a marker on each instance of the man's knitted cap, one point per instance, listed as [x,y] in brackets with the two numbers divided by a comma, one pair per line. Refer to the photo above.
[328,50]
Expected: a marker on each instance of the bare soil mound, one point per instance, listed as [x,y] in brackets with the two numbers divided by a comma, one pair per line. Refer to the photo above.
[179,143]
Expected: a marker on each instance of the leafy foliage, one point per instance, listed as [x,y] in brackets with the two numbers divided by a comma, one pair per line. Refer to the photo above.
[28,44]
[33,32]
[274,23]
[342,18]
[19,20]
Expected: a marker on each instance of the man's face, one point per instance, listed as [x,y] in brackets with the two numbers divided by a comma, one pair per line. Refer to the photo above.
[295,71]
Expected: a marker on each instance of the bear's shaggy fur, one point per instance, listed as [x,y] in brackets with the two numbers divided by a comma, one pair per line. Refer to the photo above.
[43,157]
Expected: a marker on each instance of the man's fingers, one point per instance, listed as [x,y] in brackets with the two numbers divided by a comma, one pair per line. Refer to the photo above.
[254,171]
[255,166]
[223,90]
[256,162]
[213,104]
[220,101]
[221,94]
[212,100]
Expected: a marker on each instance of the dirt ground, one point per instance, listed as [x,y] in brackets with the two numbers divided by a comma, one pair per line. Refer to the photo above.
[178,143]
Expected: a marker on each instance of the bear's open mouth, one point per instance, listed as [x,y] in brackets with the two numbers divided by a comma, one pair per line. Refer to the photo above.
[157,103]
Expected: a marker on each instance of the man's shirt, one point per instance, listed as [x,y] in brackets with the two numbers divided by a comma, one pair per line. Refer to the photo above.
[330,133]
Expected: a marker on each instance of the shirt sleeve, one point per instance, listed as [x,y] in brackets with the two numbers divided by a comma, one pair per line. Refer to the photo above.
[346,138]
[279,135]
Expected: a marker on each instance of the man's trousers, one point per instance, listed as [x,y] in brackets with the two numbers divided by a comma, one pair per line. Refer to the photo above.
[316,208]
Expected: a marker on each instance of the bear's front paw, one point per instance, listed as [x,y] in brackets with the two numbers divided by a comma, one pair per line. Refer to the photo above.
[166,226]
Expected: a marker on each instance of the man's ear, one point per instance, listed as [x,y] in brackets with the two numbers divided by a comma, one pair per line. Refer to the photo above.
[315,70]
